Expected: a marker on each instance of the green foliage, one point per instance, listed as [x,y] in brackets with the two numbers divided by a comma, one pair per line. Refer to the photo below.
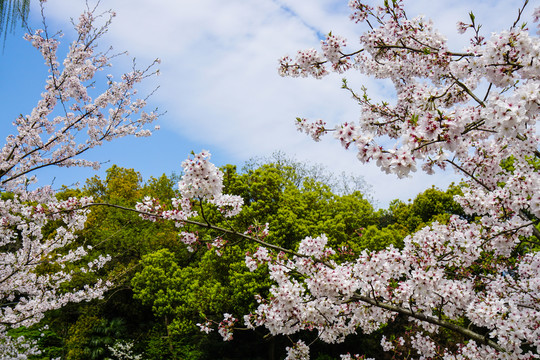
[48,341]
[508,164]
[212,286]
[80,335]
[162,188]
[375,239]
[121,186]
[293,211]
[124,235]
[92,337]
[162,291]
[429,206]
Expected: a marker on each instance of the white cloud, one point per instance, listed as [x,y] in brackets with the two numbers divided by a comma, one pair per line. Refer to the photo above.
[219,82]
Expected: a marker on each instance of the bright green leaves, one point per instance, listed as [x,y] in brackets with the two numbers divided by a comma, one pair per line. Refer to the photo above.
[429,206]
[295,205]
[180,293]
[375,239]
[121,186]
[414,120]
[158,283]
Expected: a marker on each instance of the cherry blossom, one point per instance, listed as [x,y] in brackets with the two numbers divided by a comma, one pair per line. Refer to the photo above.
[314,129]
[299,351]
[35,227]
[225,327]
[206,327]
[474,111]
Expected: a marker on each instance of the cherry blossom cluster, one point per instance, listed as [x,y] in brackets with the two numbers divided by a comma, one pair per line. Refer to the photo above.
[313,129]
[354,357]
[201,178]
[261,256]
[536,19]
[16,348]
[206,327]
[22,227]
[507,57]
[152,209]
[258,231]
[37,229]
[217,244]
[225,327]
[332,297]
[299,351]
[201,181]
[27,291]
[426,121]
[307,62]
[332,48]
[72,116]
[360,11]
[473,110]
[123,350]
[228,205]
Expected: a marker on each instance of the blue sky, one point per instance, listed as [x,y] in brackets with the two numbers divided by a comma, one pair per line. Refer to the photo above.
[219,83]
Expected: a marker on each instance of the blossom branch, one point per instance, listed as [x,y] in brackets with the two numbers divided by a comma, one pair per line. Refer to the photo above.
[432,320]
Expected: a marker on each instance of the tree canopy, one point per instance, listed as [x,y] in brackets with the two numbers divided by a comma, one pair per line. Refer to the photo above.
[162,291]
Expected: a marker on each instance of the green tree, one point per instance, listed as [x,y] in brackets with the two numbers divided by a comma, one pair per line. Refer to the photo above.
[429,206]
[294,209]
[294,206]
[162,291]
[126,238]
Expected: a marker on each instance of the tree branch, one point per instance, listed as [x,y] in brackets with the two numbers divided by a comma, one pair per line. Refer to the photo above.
[213,227]
[432,320]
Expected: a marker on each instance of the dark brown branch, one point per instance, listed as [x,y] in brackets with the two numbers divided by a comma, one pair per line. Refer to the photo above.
[468,174]
[520,11]
[432,320]
[213,227]
[468,91]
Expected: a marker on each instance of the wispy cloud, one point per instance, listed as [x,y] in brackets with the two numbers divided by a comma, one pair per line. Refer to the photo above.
[219,80]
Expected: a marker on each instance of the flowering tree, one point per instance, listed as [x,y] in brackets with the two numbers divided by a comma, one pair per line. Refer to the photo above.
[36,229]
[474,111]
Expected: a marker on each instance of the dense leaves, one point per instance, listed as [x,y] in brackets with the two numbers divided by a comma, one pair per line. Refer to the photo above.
[162,291]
